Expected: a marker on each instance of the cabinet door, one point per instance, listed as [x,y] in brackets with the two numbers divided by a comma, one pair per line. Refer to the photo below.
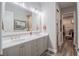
[34,48]
[27,49]
[45,44]
[21,49]
[40,46]
[12,51]
[5,52]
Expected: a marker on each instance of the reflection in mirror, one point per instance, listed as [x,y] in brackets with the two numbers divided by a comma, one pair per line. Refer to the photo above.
[29,21]
[19,25]
[17,18]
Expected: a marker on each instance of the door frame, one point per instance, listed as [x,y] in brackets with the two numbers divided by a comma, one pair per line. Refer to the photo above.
[75,25]
[75,29]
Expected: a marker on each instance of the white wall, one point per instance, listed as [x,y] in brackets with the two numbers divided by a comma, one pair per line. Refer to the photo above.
[49,9]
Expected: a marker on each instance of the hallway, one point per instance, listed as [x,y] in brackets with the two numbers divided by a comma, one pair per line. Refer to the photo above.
[67,49]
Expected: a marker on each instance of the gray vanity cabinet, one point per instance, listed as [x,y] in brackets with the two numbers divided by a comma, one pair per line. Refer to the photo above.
[19,50]
[32,48]
[37,47]
[25,49]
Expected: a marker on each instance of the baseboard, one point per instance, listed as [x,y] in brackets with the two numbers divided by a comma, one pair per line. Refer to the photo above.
[52,50]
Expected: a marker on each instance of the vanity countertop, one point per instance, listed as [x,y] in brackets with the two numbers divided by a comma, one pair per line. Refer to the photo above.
[10,43]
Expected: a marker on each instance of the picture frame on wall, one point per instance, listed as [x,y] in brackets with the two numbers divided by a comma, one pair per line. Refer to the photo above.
[19,25]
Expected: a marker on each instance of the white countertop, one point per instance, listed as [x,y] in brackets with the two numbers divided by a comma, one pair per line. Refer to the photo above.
[10,43]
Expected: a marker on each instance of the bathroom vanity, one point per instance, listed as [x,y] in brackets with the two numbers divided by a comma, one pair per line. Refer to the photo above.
[33,45]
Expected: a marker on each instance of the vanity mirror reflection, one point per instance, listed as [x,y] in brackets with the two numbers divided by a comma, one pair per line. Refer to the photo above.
[18,18]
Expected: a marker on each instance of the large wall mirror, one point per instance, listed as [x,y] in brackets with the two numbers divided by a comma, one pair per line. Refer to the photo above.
[16,18]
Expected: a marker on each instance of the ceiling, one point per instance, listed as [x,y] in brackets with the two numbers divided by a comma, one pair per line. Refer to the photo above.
[66,4]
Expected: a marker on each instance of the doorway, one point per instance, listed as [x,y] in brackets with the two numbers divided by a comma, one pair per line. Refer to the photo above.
[68,30]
